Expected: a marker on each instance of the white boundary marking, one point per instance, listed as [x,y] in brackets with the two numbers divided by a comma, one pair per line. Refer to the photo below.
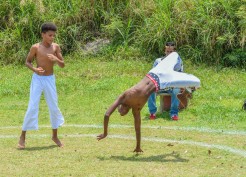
[199,129]
[159,140]
[193,143]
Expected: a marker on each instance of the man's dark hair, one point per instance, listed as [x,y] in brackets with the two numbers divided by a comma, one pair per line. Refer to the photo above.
[48,27]
[170,44]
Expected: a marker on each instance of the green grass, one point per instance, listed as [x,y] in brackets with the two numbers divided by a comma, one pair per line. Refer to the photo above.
[84,156]
[86,88]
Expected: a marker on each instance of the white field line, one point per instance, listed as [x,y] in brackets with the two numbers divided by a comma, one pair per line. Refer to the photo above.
[151,139]
[199,129]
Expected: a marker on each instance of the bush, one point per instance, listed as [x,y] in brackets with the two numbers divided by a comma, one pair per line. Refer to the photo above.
[205,31]
[236,58]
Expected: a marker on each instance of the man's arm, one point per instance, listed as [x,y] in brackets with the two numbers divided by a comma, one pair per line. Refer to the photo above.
[58,58]
[157,61]
[110,110]
[137,124]
[179,66]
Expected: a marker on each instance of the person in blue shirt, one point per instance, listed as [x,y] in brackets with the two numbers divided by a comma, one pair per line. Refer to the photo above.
[169,48]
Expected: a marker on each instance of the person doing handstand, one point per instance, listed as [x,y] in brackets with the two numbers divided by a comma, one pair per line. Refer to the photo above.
[47,54]
[160,77]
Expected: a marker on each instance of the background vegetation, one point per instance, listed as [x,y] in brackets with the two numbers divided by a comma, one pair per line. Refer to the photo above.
[205,31]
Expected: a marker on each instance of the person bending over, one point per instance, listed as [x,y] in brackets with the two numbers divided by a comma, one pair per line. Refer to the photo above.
[160,77]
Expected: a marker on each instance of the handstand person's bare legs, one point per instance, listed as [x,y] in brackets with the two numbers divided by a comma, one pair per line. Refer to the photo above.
[56,139]
[21,143]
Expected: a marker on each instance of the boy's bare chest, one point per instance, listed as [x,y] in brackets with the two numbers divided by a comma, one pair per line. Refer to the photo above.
[43,52]
[136,99]
[43,60]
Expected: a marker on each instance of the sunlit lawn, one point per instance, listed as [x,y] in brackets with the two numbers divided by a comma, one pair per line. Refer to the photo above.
[86,88]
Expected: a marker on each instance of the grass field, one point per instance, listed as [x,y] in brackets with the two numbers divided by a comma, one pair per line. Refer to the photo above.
[167,152]
[208,140]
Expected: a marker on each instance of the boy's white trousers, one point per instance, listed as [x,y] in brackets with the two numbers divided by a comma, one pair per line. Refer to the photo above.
[39,85]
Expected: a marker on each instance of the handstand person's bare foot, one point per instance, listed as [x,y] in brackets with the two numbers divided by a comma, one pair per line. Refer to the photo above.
[57,141]
[21,144]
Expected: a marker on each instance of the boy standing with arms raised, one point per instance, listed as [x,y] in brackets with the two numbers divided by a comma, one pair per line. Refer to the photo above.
[47,54]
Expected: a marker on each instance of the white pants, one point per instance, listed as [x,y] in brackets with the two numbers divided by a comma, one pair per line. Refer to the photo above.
[173,79]
[47,85]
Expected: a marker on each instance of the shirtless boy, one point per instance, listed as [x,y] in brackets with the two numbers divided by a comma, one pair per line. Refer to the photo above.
[133,98]
[47,54]
[136,97]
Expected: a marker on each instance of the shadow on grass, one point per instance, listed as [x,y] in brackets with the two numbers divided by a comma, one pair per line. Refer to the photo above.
[172,157]
[38,148]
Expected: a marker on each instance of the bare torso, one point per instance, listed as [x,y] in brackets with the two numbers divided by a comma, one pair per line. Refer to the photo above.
[42,58]
[137,96]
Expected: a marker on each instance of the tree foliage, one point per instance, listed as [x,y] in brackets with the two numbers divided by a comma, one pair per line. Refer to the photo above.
[204,30]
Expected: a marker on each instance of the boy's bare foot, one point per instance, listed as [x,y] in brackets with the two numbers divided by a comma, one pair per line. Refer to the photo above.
[57,141]
[21,144]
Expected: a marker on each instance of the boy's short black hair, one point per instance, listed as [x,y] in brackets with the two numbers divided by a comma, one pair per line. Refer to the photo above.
[48,27]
